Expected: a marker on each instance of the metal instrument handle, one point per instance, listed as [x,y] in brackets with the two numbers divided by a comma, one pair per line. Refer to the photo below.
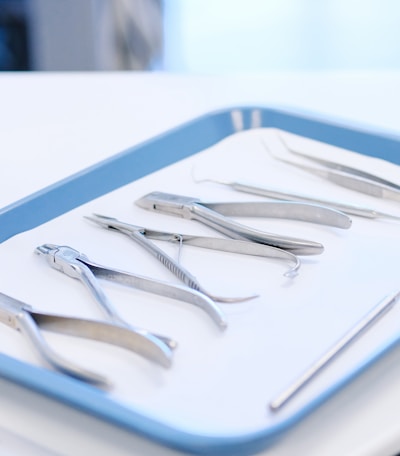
[164,289]
[28,327]
[290,210]
[178,270]
[276,194]
[236,230]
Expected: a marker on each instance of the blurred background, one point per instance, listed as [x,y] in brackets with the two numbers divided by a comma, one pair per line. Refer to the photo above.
[199,36]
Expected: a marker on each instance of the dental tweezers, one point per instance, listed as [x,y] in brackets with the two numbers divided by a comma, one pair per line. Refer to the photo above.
[216,215]
[143,235]
[77,265]
[344,176]
[21,317]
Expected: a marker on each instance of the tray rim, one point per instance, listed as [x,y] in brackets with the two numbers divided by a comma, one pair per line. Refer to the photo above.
[165,149]
[81,187]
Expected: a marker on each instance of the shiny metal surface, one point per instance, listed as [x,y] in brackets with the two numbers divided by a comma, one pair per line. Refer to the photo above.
[350,209]
[342,168]
[139,235]
[29,322]
[78,265]
[344,176]
[192,208]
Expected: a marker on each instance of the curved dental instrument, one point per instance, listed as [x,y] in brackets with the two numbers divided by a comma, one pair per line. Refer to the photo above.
[214,215]
[142,235]
[343,179]
[20,316]
[372,317]
[285,196]
[206,242]
[341,167]
[77,265]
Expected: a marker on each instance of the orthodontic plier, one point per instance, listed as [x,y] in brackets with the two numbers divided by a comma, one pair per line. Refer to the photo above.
[77,265]
[217,216]
[22,317]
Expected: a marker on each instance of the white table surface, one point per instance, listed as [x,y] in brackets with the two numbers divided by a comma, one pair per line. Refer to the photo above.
[52,125]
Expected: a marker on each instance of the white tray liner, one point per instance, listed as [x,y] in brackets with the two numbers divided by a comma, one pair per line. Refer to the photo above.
[220,382]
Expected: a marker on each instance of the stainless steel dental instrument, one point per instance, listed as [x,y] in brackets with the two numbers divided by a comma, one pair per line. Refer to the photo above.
[285,196]
[216,215]
[340,167]
[372,317]
[343,179]
[143,235]
[20,316]
[78,266]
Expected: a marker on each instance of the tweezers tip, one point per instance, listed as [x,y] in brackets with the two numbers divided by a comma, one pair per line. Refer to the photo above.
[237,300]
[98,218]
[92,217]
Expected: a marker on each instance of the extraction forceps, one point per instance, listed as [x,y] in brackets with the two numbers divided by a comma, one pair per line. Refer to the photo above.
[342,175]
[217,216]
[143,235]
[78,266]
[350,209]
[20,316]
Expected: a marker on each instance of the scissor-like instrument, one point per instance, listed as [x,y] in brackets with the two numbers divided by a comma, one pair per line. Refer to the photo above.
[144,236]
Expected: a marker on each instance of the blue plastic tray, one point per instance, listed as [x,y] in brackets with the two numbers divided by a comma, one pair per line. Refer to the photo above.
[133,164]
